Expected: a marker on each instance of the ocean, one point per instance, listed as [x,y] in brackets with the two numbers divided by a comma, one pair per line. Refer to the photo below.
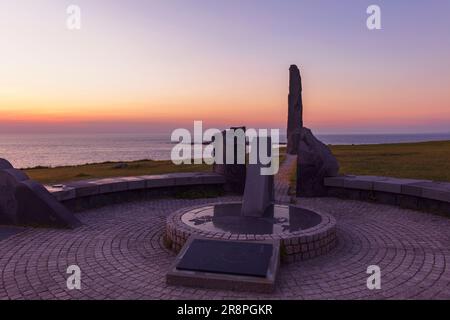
[51,150]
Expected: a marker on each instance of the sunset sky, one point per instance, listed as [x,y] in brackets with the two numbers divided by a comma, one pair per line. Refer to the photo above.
[150,65]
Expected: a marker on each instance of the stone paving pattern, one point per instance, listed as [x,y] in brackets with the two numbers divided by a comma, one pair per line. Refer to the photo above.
[121,255]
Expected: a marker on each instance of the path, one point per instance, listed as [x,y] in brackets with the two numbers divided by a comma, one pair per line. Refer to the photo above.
[120,252]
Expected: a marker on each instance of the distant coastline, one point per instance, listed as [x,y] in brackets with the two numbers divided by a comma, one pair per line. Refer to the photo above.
[51,150]
[419,160]
[357,139]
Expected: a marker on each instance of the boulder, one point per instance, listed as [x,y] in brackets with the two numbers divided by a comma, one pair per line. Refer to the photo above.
[5,164]
[314,163]
[27,202]
[38,207]
[8,203]
[234,173]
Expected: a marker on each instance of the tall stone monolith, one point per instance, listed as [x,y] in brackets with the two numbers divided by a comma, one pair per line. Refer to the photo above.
[314,159]
[295,109]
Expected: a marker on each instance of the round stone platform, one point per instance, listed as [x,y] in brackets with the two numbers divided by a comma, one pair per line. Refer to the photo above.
[303,233]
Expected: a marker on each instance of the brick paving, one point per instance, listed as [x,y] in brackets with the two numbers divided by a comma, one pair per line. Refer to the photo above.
[121,255]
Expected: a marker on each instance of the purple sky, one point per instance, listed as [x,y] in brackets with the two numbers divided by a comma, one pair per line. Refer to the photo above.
[149,65]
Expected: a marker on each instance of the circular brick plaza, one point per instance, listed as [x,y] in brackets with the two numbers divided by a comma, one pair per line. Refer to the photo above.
[121,254]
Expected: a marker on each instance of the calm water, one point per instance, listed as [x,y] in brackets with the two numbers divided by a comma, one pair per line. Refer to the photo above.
[25,151]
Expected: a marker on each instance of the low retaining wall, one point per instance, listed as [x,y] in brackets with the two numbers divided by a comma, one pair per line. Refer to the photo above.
[414,194]
[86,194]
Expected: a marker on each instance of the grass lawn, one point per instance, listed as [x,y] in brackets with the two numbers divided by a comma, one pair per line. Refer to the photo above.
[427,160]
[113,169]
[109,169]
[424,160]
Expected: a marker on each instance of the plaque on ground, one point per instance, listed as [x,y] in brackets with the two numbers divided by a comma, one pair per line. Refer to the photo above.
[239,258]
[233,265]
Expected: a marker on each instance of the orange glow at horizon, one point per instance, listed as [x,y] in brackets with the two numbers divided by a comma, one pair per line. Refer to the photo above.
[269,107]
[136,66]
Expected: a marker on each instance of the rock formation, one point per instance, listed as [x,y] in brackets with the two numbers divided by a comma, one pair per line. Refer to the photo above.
[295,109]
[26,202]
[314,159]
[314,163]
[234,173]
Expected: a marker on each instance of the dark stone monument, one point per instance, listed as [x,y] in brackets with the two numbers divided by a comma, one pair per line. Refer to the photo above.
[239,265]
[259,191]
[295,109]
[314,159]
[26,202]
[215,261]
[234,173]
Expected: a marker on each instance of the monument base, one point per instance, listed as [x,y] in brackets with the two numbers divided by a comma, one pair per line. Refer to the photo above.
[226,265]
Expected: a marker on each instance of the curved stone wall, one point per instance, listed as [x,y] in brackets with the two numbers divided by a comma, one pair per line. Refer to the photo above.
[423,195]
[87,194]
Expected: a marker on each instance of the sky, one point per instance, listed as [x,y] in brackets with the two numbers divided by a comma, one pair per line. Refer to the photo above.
[150,65]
